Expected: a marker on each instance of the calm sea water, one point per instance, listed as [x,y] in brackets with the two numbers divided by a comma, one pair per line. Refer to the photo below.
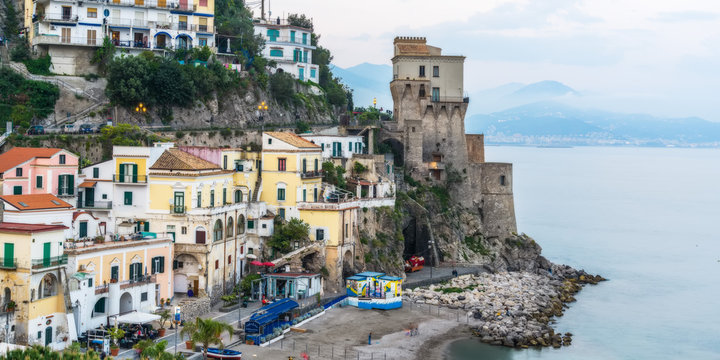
[648,219]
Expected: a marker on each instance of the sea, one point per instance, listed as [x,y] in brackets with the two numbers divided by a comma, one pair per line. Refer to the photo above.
[648,220]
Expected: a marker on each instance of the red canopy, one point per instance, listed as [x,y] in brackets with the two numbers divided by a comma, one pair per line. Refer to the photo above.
[268,264]
[256,263]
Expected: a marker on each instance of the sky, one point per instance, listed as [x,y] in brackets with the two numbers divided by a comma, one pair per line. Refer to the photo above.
[653,56]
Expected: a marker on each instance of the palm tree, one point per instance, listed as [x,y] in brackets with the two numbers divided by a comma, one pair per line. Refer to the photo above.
[209,332]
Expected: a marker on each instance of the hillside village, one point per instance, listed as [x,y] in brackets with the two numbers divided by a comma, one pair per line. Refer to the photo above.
[296,200]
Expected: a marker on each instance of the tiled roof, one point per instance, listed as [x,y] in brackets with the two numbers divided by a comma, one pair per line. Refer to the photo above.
[87,184]
[19,155]
[292,139]
[176,159]
[35,201]
[28,228]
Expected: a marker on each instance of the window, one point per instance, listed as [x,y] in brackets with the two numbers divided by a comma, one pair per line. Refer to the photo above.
[224,196]
[99,308]
[282,164]
[304,38]
[92,37]
[435,94]
[350,146]
[18,172]
[62,159]
[316,164]
[281,194]
[276,52]
[92,13]
[313,73]
[217,264]
[183,230]
[39,182]
[304,195]
[96,173]
[304,165]
[65,36]
[264,226]
[104,196]
[319,234]
[218,230]
[203,2]
[238,196]
[136,271]
[17,190]
[346,230]
[269,141]
[421,93]
[273,34]
[202,41]
[250,251]
[143,296]
[238,166]
[225,162]
[179,202]
[281,213]
[229,259]
[128,198]
[229,227]
[66,184]
[82,232]
[90,282]
[158,265]
[114,273]
[199,199]
[251,224]
[422,71]
[436,71]
[202,24]
[315,195]
[502,180]
[212,198]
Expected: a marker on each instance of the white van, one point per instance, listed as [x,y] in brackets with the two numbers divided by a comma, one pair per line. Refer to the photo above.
[69,129]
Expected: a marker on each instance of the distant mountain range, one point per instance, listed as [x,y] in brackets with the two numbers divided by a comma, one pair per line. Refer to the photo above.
[544,113]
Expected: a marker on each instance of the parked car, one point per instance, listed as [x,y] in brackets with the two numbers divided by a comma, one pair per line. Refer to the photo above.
[36,130]
[69,129]
[86,129]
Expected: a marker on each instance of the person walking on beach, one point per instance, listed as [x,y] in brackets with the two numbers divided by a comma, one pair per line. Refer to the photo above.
[370,338]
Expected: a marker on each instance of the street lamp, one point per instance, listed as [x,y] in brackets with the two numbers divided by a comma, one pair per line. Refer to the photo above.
[141,108]
[262,107]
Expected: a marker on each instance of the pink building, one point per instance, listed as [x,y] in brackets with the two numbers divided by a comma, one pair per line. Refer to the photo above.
[38,171]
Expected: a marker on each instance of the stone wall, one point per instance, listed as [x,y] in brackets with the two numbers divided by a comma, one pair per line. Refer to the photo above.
[475,148]
[194,308]
[497,204]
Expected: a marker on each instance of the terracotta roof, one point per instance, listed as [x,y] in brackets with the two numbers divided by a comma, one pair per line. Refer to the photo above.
[87,184]
[78,213]
[35,201]
[19,155]
[292,139]
[28,228]
[176,159]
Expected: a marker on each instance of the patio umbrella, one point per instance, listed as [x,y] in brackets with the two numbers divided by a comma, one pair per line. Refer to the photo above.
[268,263]
[256,263]
[251,256]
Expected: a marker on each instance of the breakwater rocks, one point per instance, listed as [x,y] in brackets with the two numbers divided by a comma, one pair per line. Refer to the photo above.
[514,309]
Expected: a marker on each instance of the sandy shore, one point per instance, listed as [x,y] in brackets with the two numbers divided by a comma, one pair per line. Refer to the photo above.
[343,333]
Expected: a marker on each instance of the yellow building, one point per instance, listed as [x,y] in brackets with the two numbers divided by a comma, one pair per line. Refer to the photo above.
[111,278]
[206,208]
[292,187]
[32,278]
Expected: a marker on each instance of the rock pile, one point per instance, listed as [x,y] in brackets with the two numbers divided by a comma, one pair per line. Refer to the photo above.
[514,308]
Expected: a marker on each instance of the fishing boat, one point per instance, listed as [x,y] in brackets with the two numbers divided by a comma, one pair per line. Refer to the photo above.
[215,353]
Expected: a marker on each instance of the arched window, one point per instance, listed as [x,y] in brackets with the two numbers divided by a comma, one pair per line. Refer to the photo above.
[218,230]
[241,224]
[238,196]
[229,227]
[48,286]
[99,308]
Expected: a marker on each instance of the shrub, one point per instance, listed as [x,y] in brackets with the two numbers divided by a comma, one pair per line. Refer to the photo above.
[20,52]
[39,66]
[179,134]
[226,133]
[282,87]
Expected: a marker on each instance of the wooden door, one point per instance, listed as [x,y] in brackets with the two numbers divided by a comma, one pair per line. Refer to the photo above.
[200,236]
[196,286]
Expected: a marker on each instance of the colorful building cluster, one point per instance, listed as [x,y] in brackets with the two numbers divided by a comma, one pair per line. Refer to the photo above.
[82,247]
[290,46]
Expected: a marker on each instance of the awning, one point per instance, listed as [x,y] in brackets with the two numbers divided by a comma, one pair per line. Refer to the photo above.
[251,256]
[87,184]
[137,318]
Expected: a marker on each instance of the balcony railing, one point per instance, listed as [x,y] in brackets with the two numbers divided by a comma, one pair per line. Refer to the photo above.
[49,262]
[458,99]
[279,21]
[66,191]
[311,174]
[71,40]
[292,59]
[103,204]
[289,40]
[153,24]
[8,263]
[130,179]
[178,209]
[159,4]
[137,281]
[56,17]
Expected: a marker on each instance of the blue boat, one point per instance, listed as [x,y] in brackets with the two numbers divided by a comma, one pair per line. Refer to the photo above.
[215,353]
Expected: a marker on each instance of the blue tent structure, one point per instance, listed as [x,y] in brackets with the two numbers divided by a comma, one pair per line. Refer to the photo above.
[269,317]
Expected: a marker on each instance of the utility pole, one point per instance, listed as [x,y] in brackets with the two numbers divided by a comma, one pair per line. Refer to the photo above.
[262,9]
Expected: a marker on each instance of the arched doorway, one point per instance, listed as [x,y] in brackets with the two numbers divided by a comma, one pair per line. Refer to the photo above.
[395,147]
[48,286]
[230,227]
[126,304]
[185,273]
[348,264]
[180,283]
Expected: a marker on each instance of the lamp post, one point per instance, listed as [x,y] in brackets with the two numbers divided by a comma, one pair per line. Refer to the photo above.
[262,107]
[141,108]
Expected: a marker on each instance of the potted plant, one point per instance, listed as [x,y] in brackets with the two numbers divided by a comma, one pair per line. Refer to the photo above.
[167,301]
[164,317]
[116,334]
[10,306]
[189,329]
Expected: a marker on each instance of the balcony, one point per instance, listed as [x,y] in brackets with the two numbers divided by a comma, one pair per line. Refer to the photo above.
[297,40]
[96,205]
[311,174]
[56,17]
[8,263]
[283,22]
[178,209]
[138,281]
[456,99]
[158,4]
[49,262]
[66,191]
[69,40]
[130,179]
[143,24]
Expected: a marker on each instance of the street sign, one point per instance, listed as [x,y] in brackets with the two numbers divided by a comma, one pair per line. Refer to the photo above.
[177,313]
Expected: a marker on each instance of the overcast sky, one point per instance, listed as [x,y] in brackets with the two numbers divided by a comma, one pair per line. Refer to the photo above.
[655,56]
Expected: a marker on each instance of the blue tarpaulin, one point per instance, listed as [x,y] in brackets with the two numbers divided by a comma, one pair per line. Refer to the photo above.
[268,317]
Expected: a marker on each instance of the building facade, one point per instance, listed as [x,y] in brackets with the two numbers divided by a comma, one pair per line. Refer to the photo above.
[70,32]
[290,47]
[39,171]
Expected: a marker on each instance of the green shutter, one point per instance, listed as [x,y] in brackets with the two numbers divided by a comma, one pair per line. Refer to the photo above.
[132,272]
[153,269]
[162,264]
[46,254]
[71,184]
[121,177]
[115,272]
[147,226]
[9,255]
[17,190]
[128,198]
[83,229]
[135,173]
[38,182]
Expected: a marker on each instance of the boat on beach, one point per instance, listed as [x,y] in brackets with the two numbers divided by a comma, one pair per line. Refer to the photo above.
[215,353]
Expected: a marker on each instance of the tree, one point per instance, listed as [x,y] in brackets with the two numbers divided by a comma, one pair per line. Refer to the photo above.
[285,234]
[155,351]
[282,86]
[209,332]
[127,79]
[300,20]
[359,168]
[12,23]
[103,55]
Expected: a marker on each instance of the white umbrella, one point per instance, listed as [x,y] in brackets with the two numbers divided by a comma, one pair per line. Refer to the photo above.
[251,256]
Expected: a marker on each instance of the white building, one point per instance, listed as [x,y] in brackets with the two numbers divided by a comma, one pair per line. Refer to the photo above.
[337,146]
[290,47]
[70,31]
